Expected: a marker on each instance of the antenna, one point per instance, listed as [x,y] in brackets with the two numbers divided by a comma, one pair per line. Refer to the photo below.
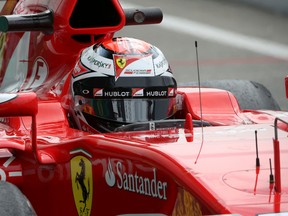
[271,177]
[257,163]
[271,180]
[200,101]
[257,157]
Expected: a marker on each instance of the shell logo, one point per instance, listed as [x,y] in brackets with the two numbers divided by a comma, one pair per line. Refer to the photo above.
[82,184]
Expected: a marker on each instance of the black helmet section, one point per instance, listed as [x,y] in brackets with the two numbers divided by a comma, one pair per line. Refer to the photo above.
[128,100]
[128,87]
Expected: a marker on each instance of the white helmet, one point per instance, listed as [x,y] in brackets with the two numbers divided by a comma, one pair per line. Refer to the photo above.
[121,81]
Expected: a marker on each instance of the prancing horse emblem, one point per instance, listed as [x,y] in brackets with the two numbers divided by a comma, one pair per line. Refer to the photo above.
[121,62]
[80,181]
[82,184]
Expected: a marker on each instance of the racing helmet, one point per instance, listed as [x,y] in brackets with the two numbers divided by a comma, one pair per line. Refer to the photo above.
[121,81]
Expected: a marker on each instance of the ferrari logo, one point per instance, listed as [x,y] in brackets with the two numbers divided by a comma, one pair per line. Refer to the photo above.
[82,184]
[121,62]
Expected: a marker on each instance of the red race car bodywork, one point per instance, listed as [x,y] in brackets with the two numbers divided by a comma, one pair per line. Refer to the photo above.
[221,160]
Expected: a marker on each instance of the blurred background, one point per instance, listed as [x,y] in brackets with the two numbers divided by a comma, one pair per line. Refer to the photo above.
[237,39]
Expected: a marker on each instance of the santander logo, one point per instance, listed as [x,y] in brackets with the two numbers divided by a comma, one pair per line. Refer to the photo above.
[109,176]
[135,183]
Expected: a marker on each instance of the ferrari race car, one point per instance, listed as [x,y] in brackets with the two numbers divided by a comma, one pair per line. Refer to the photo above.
[224,154]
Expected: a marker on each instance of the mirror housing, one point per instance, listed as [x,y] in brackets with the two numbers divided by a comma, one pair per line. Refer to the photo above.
[18,104]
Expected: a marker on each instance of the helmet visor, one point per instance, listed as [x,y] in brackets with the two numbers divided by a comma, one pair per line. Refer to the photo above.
[130,110]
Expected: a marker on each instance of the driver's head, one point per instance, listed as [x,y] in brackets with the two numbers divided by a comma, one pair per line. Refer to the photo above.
[121,81]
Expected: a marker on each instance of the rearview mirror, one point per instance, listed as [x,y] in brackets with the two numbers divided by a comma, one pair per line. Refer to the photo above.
[18,104]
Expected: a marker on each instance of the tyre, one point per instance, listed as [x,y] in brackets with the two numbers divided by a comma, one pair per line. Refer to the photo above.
[250,95]
[13,201]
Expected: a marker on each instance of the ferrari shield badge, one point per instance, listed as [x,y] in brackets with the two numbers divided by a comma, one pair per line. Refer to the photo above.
[82,184]
[121,62]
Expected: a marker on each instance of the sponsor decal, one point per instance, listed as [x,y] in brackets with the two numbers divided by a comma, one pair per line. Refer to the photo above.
[123,65]
[159,92]
[138,71]
[162,63]
[156,93]
[40,71]
[111,93]
[186,204]
[82,184]
[121,62]
[85,91]
[116,94]
[171,92]
[110,176]
[79,69]
[135,183]
[133,92]
[98,92]
[98,63]
[137,92]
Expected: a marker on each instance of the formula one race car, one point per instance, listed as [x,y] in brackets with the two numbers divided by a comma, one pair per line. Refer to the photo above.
[221,153]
